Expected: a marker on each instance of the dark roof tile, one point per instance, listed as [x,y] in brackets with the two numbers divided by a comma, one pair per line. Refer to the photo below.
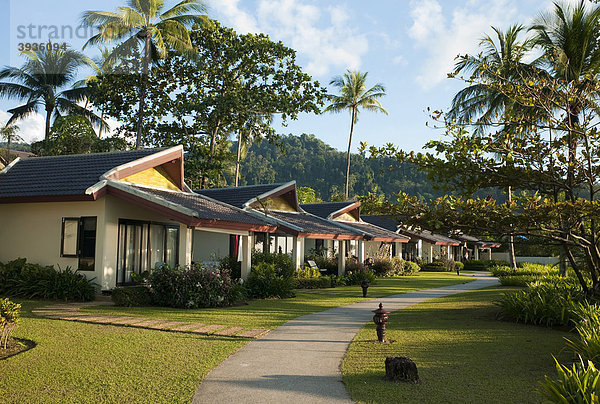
[238,196]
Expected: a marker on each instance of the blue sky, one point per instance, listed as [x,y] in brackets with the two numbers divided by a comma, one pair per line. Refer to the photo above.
[409,46]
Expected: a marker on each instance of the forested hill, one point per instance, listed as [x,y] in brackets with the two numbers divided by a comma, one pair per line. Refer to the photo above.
[314,164]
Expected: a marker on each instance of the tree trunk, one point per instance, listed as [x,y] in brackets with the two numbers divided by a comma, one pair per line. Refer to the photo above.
[8,149]
[213,141]
[49,110]
[237,162]
[512,259]
[102,120]
[145,66]
[349,149]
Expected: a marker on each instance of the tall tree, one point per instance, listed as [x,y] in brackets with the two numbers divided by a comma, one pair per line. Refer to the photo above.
[479,105]
[42,80]
[8,132]
[146,23]
[354,96]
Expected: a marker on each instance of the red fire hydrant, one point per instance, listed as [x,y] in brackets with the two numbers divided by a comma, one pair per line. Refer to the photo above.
[380,319]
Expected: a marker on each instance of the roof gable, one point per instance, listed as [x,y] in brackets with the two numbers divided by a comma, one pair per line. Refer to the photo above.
[342,211]
[279,197]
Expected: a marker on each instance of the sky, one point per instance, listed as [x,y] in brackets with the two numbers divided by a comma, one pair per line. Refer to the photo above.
[409,46]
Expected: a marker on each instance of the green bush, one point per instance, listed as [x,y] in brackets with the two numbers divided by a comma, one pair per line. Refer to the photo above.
[483,265]
[193,287]
[266,280]
[232,265]
[383,267]
[283,262]
[410,268]
[131,296]
[10,316]
[553,302]
[587,344]
[321,282]
[525,269]
[307,272]
[435,266]
[329,265]
[355,274]
[22,279]
[578,384]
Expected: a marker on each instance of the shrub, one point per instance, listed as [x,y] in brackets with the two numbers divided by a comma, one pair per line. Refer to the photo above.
[266,280]
[525,269]
[355,274]
[579,384]
[459,266]
[10,316]
[19,278]
[193,287]
[307,272]
[435,266]
[232,265]
[312,283]
[329,264]
[410,268]
[587,346]
[283,262]
[483,265]
[131,296]
[382,267]
[544,303]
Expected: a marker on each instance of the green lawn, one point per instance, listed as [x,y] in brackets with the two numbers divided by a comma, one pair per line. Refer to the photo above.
[86,363]
[463,354]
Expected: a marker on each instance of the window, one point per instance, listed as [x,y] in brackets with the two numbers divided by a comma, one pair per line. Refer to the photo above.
[144,245]
[79,241]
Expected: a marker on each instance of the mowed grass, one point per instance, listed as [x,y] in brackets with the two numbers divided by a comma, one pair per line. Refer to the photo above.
[86,363]
[463,354]
[271,313]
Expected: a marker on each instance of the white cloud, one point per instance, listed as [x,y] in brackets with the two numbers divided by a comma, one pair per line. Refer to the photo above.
[32,128]
[445,33]
[400,60]
[324,35]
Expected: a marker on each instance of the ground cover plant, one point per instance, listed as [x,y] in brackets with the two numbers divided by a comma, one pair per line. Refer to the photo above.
[136,365]
[23,279]
[463,354]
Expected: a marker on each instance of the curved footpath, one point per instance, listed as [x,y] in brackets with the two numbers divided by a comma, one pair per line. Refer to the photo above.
[300,360]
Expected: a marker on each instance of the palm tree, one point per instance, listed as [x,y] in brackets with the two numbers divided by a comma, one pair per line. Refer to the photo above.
[480,104]
[251,132]
[144,22]
[353,96]
[9,133]
[42,81]
[103,66]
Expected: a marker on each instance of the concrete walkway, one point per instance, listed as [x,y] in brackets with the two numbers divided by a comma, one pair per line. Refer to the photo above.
[299,362]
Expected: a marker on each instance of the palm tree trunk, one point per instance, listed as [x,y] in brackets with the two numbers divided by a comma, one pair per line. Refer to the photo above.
[237,161]
[145,65]
[349,149]
[512,259]
[48,120]
[213,142]
[8,148]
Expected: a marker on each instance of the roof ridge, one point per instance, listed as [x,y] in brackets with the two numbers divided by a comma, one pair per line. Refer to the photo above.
[240,186]
[66,156]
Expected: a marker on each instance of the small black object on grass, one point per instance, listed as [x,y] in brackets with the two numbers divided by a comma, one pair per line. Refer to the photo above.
[364,285]
[401,369]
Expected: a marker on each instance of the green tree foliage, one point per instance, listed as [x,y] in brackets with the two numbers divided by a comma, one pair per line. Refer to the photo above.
[74,134]
[146,23]
[353,97]
[307,195]
[44,79]
[553,164]
[9,132]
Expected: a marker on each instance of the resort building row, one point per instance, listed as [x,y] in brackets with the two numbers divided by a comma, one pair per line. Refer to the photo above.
[114,214]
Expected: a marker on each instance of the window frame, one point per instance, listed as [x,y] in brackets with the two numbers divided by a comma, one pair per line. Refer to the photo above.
[62,237]
[79,240]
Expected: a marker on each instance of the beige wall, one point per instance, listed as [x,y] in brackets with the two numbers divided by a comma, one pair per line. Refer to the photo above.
[210,246]
[33,231]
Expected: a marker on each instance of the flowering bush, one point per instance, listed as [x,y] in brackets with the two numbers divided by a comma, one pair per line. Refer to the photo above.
[193,287]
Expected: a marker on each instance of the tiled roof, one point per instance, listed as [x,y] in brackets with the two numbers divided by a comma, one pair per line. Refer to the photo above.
[205,208]
[376,231]
[313,224]
[238,196]
[325,209]
[389,223]
[62,175]
[383,221]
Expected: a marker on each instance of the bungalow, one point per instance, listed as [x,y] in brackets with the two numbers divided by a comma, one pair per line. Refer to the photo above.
[298,230]
[378,241]
[113,214]
[423,244]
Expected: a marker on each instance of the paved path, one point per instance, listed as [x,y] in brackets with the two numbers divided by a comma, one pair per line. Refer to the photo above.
[299,362]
